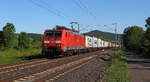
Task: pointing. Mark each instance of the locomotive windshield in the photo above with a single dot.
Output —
(54, 34)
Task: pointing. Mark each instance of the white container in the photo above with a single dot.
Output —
(106, 44)
(99, 43)
(103, 43)
(88, 42)
(94, 42)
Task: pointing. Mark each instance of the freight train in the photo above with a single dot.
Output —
(62, 40)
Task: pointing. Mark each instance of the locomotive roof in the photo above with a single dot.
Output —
(61, 28)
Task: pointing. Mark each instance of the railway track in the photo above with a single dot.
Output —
(18, 66)
(67, 68)
(26, 64)
(13, 64)
(50, 71)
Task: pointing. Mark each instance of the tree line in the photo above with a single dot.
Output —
(138, 40)
(11, 40)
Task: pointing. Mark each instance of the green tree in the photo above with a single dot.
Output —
(132, 38)
(37, 41)
(147, 22)
(146, 40)
(24, 41)
(9, 35)
(1, 40)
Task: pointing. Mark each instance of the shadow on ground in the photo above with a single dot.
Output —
(134, 59)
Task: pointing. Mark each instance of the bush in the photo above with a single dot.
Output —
(118, 72)
(146, 44)
(13, 56)
(24, 41)
(132, 38)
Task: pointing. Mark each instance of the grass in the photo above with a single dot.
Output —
(13, 56)
(118, 71)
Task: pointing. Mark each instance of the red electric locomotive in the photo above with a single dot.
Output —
(62, 40)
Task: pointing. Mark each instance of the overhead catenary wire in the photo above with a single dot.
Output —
(87, 9)
(83, 7)
(87, 27)
(38, 3)
(44, 5)
(56, 10)
(79, 5)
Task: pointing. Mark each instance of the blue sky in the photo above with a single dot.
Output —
(27, 16)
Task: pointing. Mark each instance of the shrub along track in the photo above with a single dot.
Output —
(51, 68)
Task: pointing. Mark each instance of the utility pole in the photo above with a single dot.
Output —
(116, 37)
(78, 28)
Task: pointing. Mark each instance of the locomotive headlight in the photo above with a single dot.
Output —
(58, 41)
(46, 42)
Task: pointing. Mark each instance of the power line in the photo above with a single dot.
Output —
(92, 25)
(56, 10)
(88, 10)
(79, 5)
(82, 6)
(48, 9)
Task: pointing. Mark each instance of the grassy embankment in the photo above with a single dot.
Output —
(118, 72)
(13, 56)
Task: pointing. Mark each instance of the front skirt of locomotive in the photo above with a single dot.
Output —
(51, 51)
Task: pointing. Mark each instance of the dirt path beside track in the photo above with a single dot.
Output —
(139, 68)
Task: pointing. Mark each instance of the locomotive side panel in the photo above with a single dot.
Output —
(73, 42)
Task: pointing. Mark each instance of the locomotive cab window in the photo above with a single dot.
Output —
(53, 34)
(57, 34)
(49, 34)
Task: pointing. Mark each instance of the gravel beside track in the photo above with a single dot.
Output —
(90, 72)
